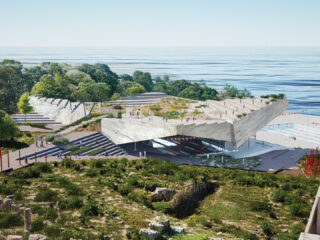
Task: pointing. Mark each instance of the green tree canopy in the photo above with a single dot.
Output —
(8, 128)
(175, 87)
(10, 88)
(115, 97)
(24, 105)
(144, 79)
(135, 89)
(198, 92)
(92, 92)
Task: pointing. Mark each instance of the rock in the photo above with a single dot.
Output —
(27, 219)
(7, 204)
(162, 194)
(1, 204)
(47, 222)
(148, 233)
(15, 207)
(21, 211)
(131, 174)
(14, 237)
(160, 224)
(45, 185)
(157, 226)
(37, 237)
(122, 222)
(178, 230)
(10, 197)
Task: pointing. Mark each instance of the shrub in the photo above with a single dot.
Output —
(59, 141)
(278, 195)
(37, 224)
(46, 196)
(260, 205)
(298, 210)
(68, 163)
(119, 107)
(91, 209)
(119, 115)
(266, 228)
(52, 231)
(43, 167)
(125, 189)
(140, 196)
(92, 172)
(10, 219)
(70, 203)
(97, 163)
(51, 214)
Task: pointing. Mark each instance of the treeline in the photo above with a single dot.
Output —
(92, 83)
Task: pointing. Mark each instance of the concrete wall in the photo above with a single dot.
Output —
(64, 111)
(128, 130)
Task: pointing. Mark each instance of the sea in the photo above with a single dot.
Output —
(294, 71)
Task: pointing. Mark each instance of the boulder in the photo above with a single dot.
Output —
(37, 237)
(160, 224)
(14, 237)
(162, 194)
(7, 204)
(177, 230)
(148, 233)
(27, 219)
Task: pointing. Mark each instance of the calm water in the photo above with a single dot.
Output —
(292, 71)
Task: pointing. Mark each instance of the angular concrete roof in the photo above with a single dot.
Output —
(233, 120)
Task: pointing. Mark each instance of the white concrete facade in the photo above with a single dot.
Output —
(227, 128)
(60, 110)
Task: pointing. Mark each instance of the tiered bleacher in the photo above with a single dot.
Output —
(33, 118)
(93, 145)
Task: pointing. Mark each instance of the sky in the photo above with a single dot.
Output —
(159, 23)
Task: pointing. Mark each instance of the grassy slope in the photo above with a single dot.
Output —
(114, 204)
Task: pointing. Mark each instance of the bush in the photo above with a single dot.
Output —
(50, 214)
(91, 209)
(59, 141)
(118, 107)
(70, 203)
(278, 195)
(52, 231)
(260, 205)
(119, 115)
(92, 172)
(298, 210)
(266, 228)
(43, 167)
(37, 224)
(46, 196)
(140, 196)
(125, 189)
(68, 163)
(97, 163)
(10, 219)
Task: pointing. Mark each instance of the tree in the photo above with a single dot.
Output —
(135, 89)
(24, 105)
(8, 127)
(231, 91)
(126, 77)
(175, 87)
(47, 87)
(10, 88)
(143, 78)
(115, 97)
(92, 92)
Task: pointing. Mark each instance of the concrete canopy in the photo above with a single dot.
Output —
(232, 120)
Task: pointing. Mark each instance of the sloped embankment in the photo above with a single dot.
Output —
(185, 201)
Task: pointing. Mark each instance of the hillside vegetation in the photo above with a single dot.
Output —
(97, 199)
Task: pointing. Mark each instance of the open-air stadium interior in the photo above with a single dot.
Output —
(240, 128)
